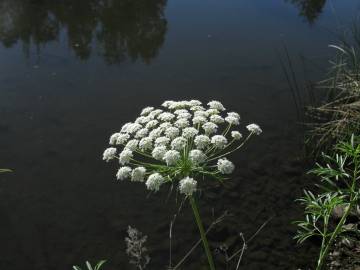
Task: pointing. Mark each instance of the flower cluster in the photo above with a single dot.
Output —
(180, 142)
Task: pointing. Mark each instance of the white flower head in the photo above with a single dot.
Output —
(178, 143)
(225, 166)
(122, 138)
(151, 124)
(125, 127)
(141, 133)
(145, 144)
(197, 156)
(197, 108)
(195, 102)
(187, 186)
(236, 135)
(132, 144)
(217, 119)
(212, 112)
(182, 123)
(198, 120)
(154, 113)
(123, 173)
(133, 128)
(113, 138)
(156, 133)
(125, 156)
(201, 113)
(189, 132)
(159, 152)
(202, 141)
(172, 132)
(232, 120)
(254, 128)
(180, 111)
(219, 141)
(185, 115)
(138, 174)
(109, 154)
(165, 125)
(146, 110)
(216, 105)
(171, 157)
(162, 141)
(166, 116)
(167, 103)
(210, 128)
(154, 182)
(142, 120)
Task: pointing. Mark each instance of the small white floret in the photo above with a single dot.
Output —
(197, 156)
(225, 166)
(159, 152)
(109, 154)
(189, 132)
(125, 156)
(154, 182)
(236, 135)
(254, 128)
(113, 138)
(145, 144)
(132, 144)
(172, 132)
(162, 141)
(210, 128)
(123, 173)
(201, 141)
(217, 119)
(146, 110)
(187, 186)
(171, 157)
(216, 105)
(219, 141)
(138, 174)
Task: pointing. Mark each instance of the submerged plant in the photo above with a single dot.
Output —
(135, 248)
(340, 178)
(181, 144)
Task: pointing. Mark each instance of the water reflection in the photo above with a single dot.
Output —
(310, 9)
(116, 29)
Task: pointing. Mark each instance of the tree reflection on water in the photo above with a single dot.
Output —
(119, 29)
(309, 9)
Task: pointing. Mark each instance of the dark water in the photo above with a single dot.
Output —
(72, 72)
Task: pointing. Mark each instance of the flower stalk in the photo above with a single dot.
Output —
(202, 232)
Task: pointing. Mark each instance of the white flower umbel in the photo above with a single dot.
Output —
(184, 138)
(182, 141)
(109, 154)
(187, 186)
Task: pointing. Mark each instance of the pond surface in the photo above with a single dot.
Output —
(72, 72)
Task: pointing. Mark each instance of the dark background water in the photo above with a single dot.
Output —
(72, 72)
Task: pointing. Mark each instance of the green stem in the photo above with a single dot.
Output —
(202, 232)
